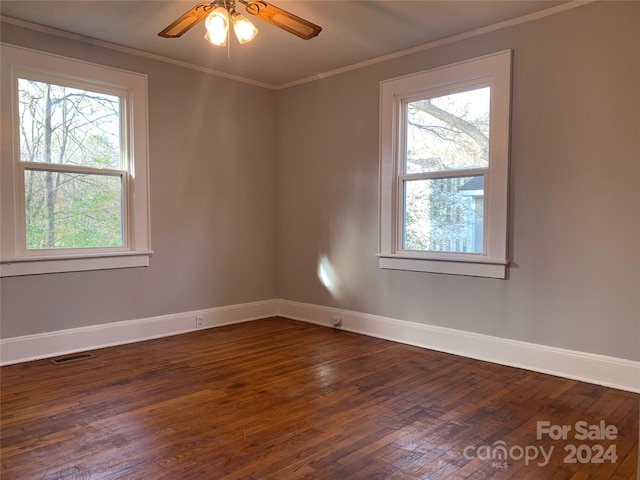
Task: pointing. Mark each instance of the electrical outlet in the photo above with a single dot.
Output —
(337, 322)
(199, 321)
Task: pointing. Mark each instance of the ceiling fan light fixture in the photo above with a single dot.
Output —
(245, 30)
(218, 14)
(217, 25)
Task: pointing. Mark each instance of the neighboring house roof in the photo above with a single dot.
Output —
(476, 183)
(473, 188)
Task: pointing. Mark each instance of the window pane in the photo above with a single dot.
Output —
(448, 132)
(72, 210)
(444, 214)
(68, 126)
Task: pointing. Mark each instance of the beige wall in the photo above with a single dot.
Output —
(212, 205)
(238, 219)
(575, 184)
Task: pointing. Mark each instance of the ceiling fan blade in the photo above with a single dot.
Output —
(186, 21)
(282, 19)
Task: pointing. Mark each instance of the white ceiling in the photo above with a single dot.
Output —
(353, 31)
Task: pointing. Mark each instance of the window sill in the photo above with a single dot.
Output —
(481, 267)
(35, 265)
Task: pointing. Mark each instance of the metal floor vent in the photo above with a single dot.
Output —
(71, 358)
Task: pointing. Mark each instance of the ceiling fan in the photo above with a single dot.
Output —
(219, 13)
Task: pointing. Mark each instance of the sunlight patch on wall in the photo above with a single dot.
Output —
(327, 276)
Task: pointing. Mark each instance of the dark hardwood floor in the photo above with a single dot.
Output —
(279, 399)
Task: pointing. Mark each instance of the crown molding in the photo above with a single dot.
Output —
(129, 50)
(444, 41)
(409, 51)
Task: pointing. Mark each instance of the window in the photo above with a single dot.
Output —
(444, 169)
(77, 198)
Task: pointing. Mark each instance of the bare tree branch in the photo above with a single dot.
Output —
(453, 120)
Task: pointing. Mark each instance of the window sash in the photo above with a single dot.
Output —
(400, 227)
(402, 113)
(123, 95)
(21, 227)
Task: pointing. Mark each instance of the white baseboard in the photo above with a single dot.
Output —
(587, 367)
(62, 342)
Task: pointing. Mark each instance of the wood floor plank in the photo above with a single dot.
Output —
(280, 399)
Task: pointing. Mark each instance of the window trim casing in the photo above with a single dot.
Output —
(493, 70)
(15, 259)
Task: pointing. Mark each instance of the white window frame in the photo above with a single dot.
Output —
(492, 70)
(131, 87)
